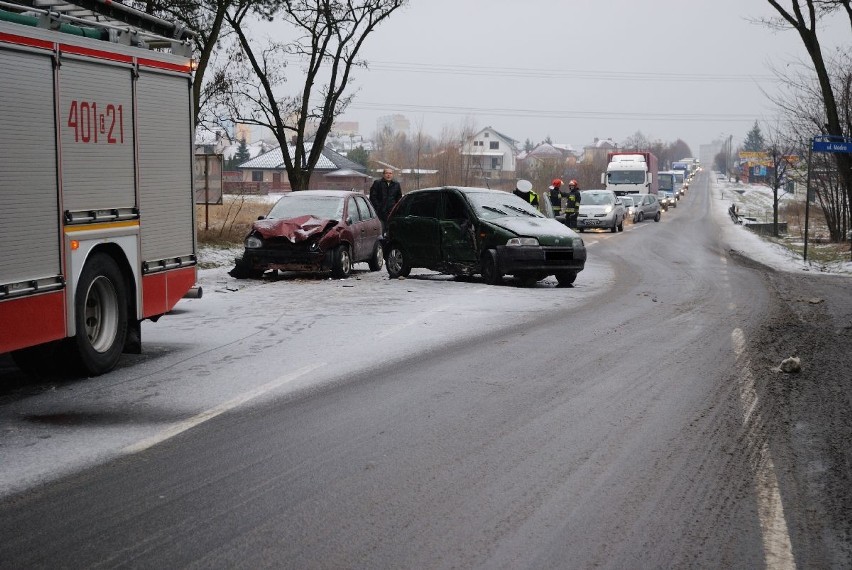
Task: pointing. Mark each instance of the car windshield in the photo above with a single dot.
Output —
(296, 205)
(501, 204)
(590, 198)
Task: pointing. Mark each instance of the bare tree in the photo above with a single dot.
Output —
(804, 17)
(206, 19)
(802, 107)
(782, 149)
(329, 36)
(636, 141)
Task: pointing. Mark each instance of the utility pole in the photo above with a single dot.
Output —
(728, 151)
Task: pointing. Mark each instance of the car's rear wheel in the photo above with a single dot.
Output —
(377, 260)
(397, 263)
(566, 278)
(341, 266)
(641, 217)
(490, 268)
(657, 217)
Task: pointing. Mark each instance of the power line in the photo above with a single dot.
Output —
(568, 74)
(552, 114)
(607, 75)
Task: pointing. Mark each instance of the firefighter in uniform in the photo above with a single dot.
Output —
(572, 206)
(556, 196)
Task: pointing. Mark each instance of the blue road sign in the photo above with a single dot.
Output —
(831, 144)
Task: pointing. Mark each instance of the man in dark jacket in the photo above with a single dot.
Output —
(384, 194)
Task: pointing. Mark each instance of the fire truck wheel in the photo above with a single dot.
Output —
(100, 307)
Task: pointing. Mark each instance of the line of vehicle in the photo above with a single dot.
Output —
(207, 415)
(777, 546)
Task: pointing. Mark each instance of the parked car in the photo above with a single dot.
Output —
(466, 231)
(600, 209)
(313, 230)
(647, 208)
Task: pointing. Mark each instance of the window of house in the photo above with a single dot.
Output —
(496, 163)
(494, 145)
(486, 135)
(257, 176)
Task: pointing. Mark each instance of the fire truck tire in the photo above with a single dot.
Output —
(100, 307)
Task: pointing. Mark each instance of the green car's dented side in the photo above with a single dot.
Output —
(468, 231)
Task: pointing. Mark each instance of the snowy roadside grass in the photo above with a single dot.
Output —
(223, 226)
(785, 252)
(212, 256)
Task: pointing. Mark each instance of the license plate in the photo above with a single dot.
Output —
(592, 222)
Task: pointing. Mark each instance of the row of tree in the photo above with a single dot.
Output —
(243, 79)
(817, 101)
(287, 85)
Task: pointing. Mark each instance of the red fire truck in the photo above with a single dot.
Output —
(97, 221)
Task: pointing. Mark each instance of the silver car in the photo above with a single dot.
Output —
(647, 207)
(600, 209)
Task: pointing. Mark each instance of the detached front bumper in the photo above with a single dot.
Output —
(539, 259)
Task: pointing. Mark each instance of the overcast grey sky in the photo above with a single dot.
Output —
(579, 69)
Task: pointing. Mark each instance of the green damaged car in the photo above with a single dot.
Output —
(468, 231)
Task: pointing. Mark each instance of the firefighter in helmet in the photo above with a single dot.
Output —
(572, 206)
(556, 196)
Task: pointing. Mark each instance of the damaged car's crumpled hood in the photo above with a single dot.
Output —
(294, 229)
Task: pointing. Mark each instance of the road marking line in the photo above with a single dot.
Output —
(414, 320)
(207, 415)
(777, 547)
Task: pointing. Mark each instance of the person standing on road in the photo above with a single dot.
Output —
(523, 190)
(572, 206)
(384, 194)
(556, 196)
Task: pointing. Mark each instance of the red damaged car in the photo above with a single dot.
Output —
(313, 230)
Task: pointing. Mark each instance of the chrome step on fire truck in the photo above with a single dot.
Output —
(97, 221)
